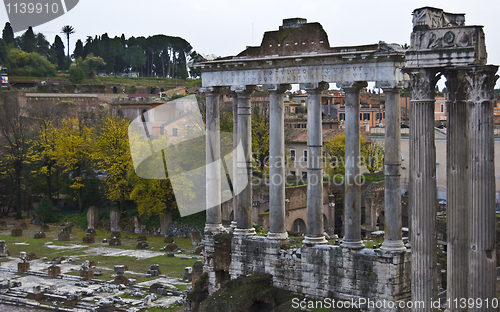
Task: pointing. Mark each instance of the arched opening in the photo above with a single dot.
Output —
(299, 226)
(154, 91)
(260, 306)
(115, 90)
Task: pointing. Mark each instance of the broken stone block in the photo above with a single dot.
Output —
(142, 245)
(88, 239)
(120, 279)
(114, 242)
(187, 274)
(119, 269)
(16, 232)
(171, 247)
(153, 273)
(87, 275)
(31, 256)
(63, 237)
(39, 235)
(170, 254)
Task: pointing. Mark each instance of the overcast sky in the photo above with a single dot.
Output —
(225, 27)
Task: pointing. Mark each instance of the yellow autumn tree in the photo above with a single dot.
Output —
(111, 156)
(334, 151)
(73, 138)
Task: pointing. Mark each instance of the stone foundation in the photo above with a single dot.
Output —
(54, 271)
(322, 271)
(17, 232)
(88, 239)
(87, 275)
(23, 267)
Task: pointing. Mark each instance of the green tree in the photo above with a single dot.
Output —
(373, 157)
(57, 53)
(76, 74)
(42, 46)
(260, 140)
(8, 34)
(3, 51)
(28, 64)
(135, 57)
(334, 151)
(28, 41)
(46, 211)
(91, 64)
(79, 50)
(68, 30)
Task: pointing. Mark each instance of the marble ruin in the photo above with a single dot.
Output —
(300, 53)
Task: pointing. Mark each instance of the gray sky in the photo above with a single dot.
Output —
(225, 28)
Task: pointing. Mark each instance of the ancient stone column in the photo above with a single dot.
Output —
(393, 238)
(213, 168)
(92, 217)
(114, 218)
(234, 224)
(243, 212)
(315, 231)
(277, 177)
(423, 196)
(352, 202)
(165, 221)
(482, 254)
(457, 177)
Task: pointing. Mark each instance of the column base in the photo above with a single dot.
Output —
(245, 232)
(396, 245)
(233, 226)
(314, 240)
(352, 244)
(214, 228)
(277, 236)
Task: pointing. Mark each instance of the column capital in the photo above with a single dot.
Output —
(210, 90)
(389, 85)
(422, 83)
(281, 88)
(353, 86)
(481, 81)
(315, 86)
(243, 91)
(457, 85)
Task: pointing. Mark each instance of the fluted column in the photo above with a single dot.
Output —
(457, 177)
(315, 231)
(277, 225)
(393, 238)
(482, 255)
(213, 168)
(243, 213)
(352, 203)
(235, 159)
(423, 197)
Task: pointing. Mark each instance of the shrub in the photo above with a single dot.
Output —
(47, 212)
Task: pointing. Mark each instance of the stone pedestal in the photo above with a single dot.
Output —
(87, 275)
(54, 271)
(23, 267)
(17, 232)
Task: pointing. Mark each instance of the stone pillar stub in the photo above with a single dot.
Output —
(352, 202)
(277, 219)
(457, 188)
(243, 213)
(213, 168)
(423, 194)
(393, 240)
(482, 253)
(114, 218)
(315, 231)
(92, 217)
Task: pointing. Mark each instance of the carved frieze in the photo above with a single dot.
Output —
(446, 38)
(428, 17)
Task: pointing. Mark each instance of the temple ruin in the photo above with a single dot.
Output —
(300, 53)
